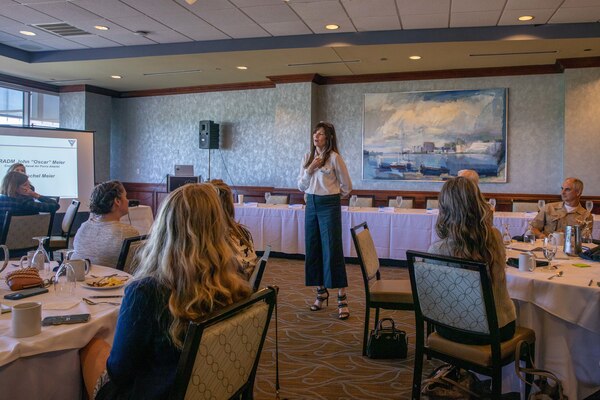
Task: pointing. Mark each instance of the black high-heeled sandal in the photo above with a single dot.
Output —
(343, 312)
(320, 299)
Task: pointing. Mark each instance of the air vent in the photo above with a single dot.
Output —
(62, 29)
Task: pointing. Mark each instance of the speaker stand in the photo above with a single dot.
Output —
(209, 151)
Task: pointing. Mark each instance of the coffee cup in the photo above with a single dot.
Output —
(240, 199)
(526, 262)
(28, 260)
(81, 268)
(26, 319)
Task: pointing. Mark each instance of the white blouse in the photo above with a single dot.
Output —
(331, 178)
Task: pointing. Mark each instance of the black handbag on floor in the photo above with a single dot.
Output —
(387, 342)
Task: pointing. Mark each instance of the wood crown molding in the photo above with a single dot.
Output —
(28, 83)
(299, 78)
(583, 62)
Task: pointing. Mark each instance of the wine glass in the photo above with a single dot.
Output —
(65, 280)
(506, 238)
(353, 200)
(65, 254)
(40, 259)
(398, 201)
(550, 248)
(492, 202)
(589, 205)
(541, 204)
(267, 197)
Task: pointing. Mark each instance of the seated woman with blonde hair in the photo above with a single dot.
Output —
(186, 271)
(241, 238)
(465, 227)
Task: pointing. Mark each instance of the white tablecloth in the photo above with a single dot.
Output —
(282, 227)
(139, 217)
(46, 366)
(564, 312)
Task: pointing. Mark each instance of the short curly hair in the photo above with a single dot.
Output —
(104, 195)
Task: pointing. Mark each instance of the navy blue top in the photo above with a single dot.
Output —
(25, 205)
(143, 360)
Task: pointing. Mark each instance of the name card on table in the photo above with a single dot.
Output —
(434, 211)
(251, 204)
(296, 206)
(389, 210)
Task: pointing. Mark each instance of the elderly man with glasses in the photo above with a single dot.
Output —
(554, 217)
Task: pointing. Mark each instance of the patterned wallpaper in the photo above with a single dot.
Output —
(264, 132)
(98, 111)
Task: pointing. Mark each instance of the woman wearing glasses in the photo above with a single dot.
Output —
(325, 180)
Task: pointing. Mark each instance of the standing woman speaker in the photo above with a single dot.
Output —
(325, 180)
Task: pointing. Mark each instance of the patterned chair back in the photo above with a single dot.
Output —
(406, 203)
(365, 248)
(220, 355)
(452, 292)
(129, 249)
(69, 217)
(20, 229)
(524, 206)
(432, 204)
(364, 202)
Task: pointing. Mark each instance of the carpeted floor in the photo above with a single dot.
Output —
(319, 355)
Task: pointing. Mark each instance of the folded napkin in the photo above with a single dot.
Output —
(251, 204)
(60, 305)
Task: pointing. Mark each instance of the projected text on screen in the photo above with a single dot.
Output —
(51, 163)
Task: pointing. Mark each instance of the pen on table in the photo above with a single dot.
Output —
(590, 284)
(106, 296)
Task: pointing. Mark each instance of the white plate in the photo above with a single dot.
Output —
(88, 284)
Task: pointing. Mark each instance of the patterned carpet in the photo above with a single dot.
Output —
(319, 355)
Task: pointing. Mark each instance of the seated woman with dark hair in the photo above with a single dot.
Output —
(465, 225)
(186, 271)
(240, 236)
(100, 238)
(17, 196)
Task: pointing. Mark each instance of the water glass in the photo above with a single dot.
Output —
(40, 257)
(65, 280)
(541, 204)
(353, 200)
(267, 197)
(398, 201)
(550, 248)
(492, 202)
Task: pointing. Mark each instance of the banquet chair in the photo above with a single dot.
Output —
(259, 270)
(406, 203)
(524, 206)
(129, 249)
(18, 231)
(364, 201)
(279, 199)
(380, 293)
(457, 294)
(223, 350)
(432, 203)
(62, 241)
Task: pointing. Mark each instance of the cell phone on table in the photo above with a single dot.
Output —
(21, 294)
(66, 319)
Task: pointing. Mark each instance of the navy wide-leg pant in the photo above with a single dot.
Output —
(324, 264)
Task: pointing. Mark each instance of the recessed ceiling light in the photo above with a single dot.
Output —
(116, 76)
(332, 27)
(415, 57)
(241, 67)
(27, 33)
(190, 2)
(101, 27)
(525, 18)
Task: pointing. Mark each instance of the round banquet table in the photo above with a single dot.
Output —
(46, 366)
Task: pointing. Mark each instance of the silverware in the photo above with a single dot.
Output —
(559, 274)
(93, 303)
(114, 296)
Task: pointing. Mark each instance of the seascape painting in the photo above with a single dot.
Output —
(430, 136)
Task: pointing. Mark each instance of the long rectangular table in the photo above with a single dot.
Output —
(282, 227)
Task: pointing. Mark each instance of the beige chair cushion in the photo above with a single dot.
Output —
(524, 206)
(391, 291)
(58, 242)
(478, 354)
(406, 203)
(432, 203)
(364, 202)
(278, 199)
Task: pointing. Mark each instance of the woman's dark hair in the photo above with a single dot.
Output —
(11, 183)
(330, 146)
(104, 195)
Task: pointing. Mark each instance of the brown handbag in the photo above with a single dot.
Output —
(24, 278)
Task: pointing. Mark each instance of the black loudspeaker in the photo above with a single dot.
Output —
(209, 135)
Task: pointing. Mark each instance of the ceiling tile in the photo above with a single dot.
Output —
(370, 8)
(26, 15)
(141, 23)
(200, 31)
(94, 41)
(169, 36)
(319, 10)
(251, 3)
(424, 21)
(464, 6)
(572, 15)
(234, 23)
(6, 23)
(130, 39)
(206, 5)
(430, 7)
(364, 24)
(479, 18)
(271, 14)
(65, 12)
(511, 17)
(89, 24)
(62, 44)
(286, 28)
(532, 4)
(108, 8)
(580, 3)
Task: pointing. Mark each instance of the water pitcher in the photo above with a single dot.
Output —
(572, 240)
